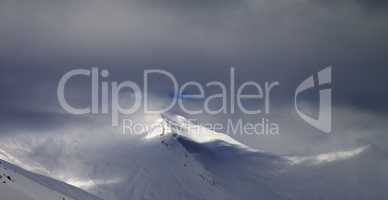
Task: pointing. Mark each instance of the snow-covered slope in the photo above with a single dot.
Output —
(181, 160)
(19, 184)
(359, 173)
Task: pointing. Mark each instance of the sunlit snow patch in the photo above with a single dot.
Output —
(170, 123)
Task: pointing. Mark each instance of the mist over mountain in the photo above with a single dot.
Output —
(180, 162)
(284, 99)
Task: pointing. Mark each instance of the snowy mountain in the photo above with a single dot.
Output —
(19, 184)
(181, 160)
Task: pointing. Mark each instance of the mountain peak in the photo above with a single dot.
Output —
(177, 125)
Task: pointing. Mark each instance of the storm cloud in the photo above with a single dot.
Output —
(281, 40)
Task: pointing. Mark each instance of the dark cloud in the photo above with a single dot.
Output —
(370, 6)
(195, 40)
(207, 5)
(374, 4)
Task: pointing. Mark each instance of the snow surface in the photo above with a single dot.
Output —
(19, 184)
(181, 160)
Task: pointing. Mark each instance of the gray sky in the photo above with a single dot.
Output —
(280, 40)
